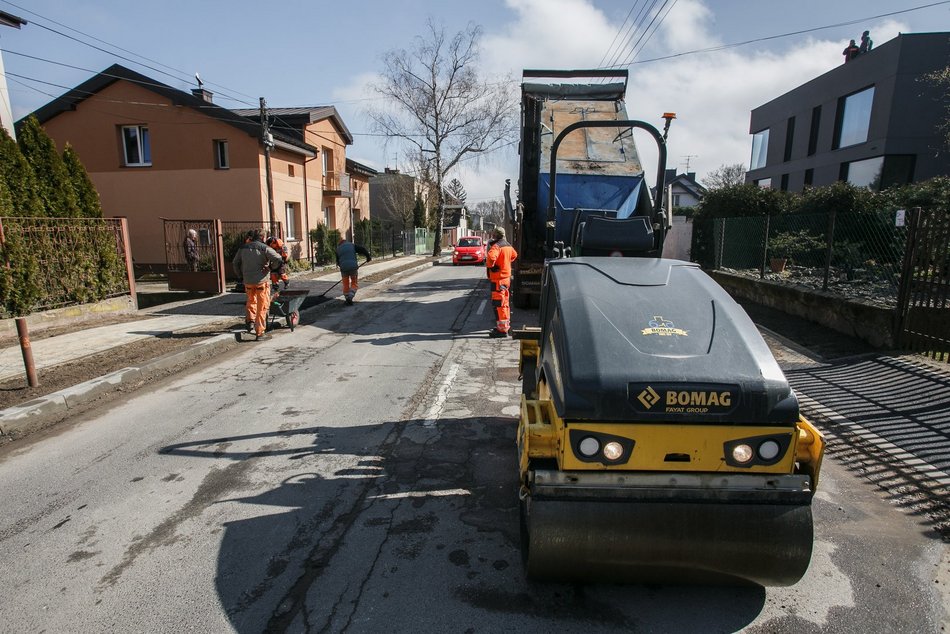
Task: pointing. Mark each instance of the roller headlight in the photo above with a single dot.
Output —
(589, 446)
(742, 453)
(613, 451)
(768, 450)
(598, 447)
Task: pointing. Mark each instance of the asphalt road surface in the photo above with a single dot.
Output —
(359, 475)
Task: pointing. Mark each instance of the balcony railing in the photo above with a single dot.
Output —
(336, 182)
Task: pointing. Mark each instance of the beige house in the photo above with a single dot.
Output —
(156, 152)
(359, 175)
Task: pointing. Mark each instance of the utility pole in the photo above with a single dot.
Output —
(268, 141)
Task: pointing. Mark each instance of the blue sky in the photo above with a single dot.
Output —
(317, 53)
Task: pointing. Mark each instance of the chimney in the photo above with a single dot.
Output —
(691, 176)
(203, 94)
(670, 175)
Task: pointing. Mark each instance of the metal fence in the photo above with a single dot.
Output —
(68, 260)
(175, 256)
(233, 233)
(858, 255)
(382, 238)
(418, 241)
(923, 310)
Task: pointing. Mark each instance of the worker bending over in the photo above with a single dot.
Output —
(346, 259)
(500, 256)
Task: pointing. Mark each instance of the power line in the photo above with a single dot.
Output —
(60, 33)
(637, 23)
(638, 47)
(286, 126)
(655, 29)
(94, 72)
(619, 31)
(781, 35)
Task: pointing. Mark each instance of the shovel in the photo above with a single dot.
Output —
(334, 285)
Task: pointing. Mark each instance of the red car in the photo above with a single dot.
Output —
(470, 250)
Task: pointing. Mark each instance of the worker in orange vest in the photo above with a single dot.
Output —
(252, 263)
(280, 274)
(500, 256)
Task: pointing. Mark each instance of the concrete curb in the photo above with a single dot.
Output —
(38, 413)
(41, 412)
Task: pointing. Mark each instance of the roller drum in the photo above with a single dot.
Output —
(666, 542)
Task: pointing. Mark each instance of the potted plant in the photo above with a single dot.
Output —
(788, 245)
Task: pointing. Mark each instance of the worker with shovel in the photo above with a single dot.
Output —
(346, 259)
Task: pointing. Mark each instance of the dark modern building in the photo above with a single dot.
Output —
(873, 121)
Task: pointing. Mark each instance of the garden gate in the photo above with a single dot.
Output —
(207, 274)
(923, 304)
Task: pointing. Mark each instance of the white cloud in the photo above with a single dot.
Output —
(686, 27)
(712, 93)
(548, 34)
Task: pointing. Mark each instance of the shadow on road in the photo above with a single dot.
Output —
(426, 515)
(902, 403)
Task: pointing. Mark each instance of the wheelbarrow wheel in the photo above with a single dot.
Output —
(293, 319)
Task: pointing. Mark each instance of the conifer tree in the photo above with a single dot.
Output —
(19, 269)
(419, 213)
(457, 191)
(52, 178)
(86, 193)
(17, 176)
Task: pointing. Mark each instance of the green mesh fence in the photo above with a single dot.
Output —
(382, 238)
(858, 255)
(50, 263)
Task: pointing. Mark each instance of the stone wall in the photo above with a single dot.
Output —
(869, 323)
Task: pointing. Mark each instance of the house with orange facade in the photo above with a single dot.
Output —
(360, 176)
(155, 152)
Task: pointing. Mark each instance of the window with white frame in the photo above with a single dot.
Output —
(136, 145)
(221, 161)
(290, 220)
(327, 217)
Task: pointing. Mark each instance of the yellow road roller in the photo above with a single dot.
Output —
(658, 440)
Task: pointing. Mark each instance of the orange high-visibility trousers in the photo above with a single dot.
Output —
(258, 303)
(351, 284)
(499, 299)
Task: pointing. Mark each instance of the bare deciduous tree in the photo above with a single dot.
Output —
(399, 196)
(725, 176)
(440, 106)
(492, 211)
